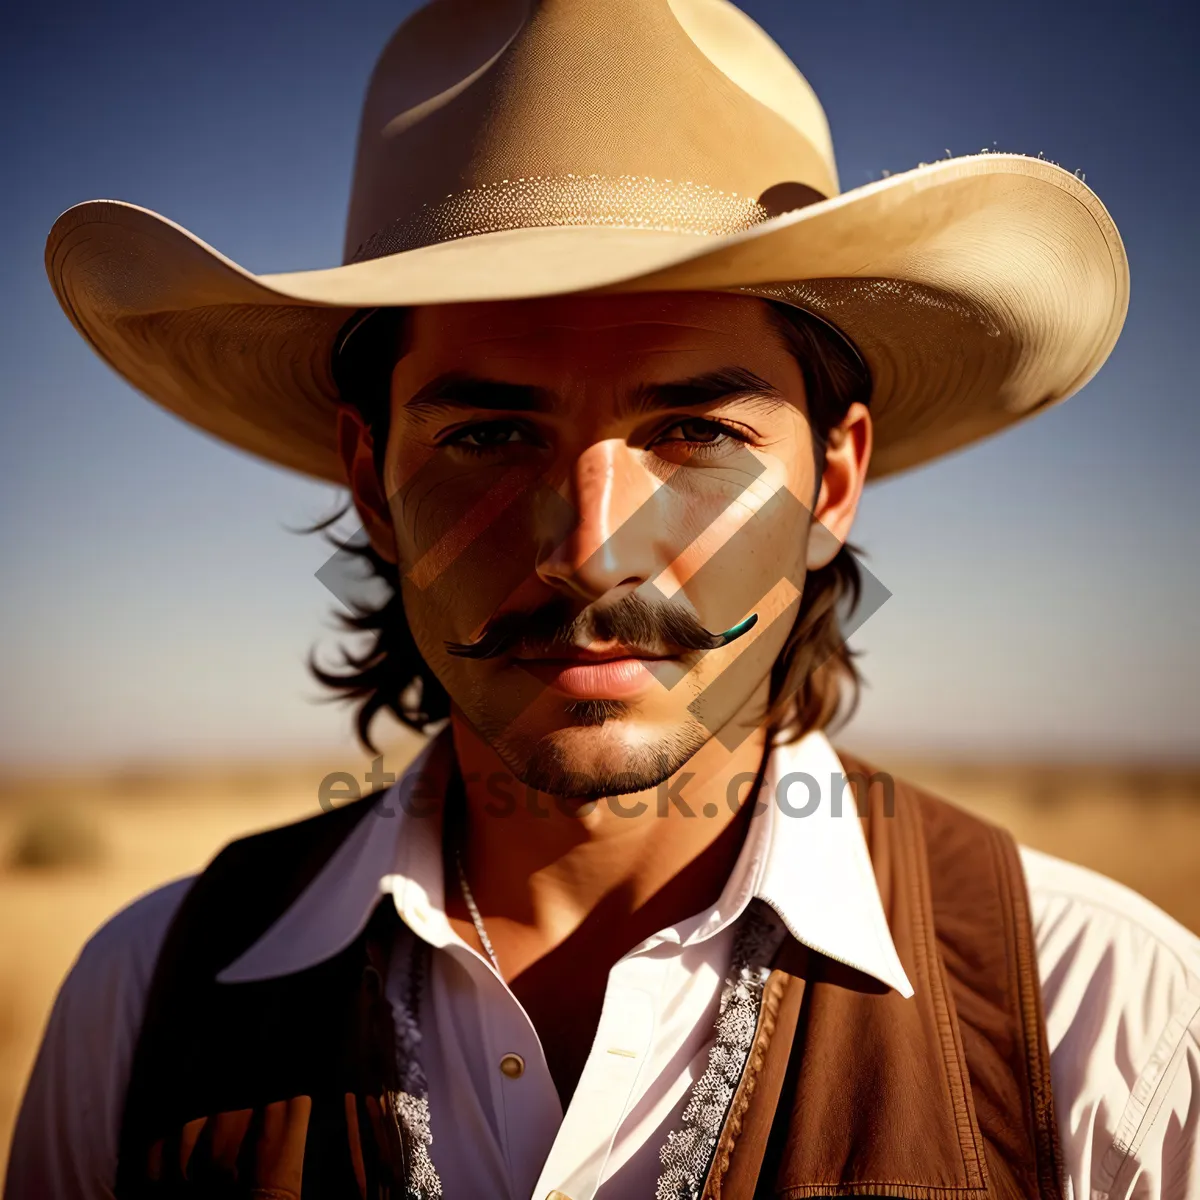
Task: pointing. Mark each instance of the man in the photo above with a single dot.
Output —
(606, 370)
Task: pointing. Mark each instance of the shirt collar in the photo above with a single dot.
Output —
(805, 855)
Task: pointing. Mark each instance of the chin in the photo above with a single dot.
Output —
(603, 753)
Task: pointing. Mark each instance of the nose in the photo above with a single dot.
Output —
(615, 539)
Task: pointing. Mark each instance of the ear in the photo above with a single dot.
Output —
(847, 456)
(357, 451)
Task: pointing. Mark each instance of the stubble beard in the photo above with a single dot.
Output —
(588, 762)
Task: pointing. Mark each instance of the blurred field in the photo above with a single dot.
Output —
(74, 850)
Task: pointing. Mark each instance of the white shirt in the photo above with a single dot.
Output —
(1120, 981)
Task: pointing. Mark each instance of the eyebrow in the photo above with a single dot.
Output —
(460, 389)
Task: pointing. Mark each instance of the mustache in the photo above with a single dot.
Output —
(632, 621)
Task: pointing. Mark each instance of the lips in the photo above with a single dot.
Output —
(615, 673)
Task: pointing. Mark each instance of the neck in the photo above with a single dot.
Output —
(544, 868)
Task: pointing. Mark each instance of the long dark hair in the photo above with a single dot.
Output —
(814, 681)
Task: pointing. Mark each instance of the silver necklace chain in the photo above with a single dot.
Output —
(473, 909)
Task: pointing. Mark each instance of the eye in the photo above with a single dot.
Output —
(490, 435)
(702, 435)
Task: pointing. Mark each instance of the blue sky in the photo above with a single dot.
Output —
(1045, 583)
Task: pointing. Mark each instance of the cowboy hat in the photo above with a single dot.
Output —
(522, 148)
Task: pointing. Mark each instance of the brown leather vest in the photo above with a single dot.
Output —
(277, 1089)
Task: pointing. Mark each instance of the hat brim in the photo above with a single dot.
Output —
(978, 290)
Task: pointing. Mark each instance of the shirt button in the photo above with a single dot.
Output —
(512, 1065)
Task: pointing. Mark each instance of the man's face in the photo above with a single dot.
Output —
(584, 483)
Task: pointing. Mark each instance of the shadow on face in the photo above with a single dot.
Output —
(591, 487)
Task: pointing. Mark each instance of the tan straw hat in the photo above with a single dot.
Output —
(519, 148)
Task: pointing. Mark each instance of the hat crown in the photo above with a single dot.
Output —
(485, 115)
